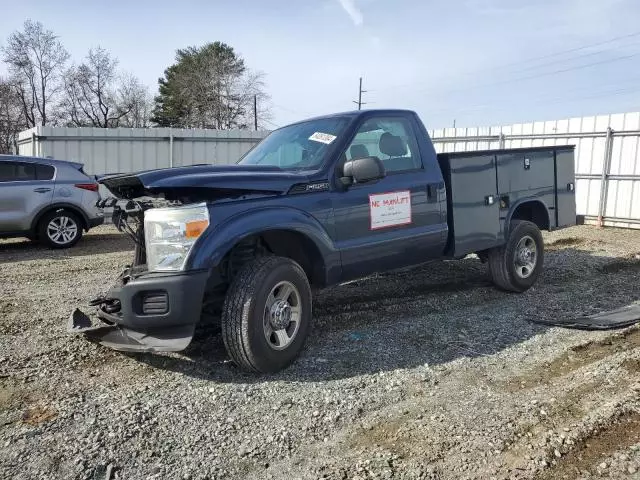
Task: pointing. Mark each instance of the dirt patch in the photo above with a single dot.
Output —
(632, 365)
(592, 450)
(392, 435)
(37, 414)
(566, 242)
(575, 358)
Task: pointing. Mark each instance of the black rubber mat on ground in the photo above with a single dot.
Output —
(620, 318)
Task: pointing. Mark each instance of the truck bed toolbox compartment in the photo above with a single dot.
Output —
(485, 187)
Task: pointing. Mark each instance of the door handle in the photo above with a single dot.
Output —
(41, 190)
(432, 191)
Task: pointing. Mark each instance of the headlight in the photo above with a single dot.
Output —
(170, 233)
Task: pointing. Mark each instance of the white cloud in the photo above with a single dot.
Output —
(353, 11)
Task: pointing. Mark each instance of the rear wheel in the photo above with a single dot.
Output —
(60, 229)
(516, 265)
(266, 315)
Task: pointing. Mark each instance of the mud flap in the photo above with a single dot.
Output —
(619, 318)
(117, 337)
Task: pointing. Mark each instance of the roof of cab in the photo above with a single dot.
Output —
(359, 113)
(41, 160)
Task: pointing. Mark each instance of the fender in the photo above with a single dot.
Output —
(516, 205)
(210, 248)
(57, 206)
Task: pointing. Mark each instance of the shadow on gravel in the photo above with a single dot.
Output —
(92, 244)
(432, 314)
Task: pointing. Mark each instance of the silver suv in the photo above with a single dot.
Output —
(51, 201)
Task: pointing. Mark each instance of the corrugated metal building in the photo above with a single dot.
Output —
(607, 153)
(124, 150)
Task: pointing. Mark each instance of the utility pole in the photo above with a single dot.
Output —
(360, 92)
(255, 112)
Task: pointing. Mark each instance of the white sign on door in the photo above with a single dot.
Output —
(390, 209)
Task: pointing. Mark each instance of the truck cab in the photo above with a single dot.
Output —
(314, 204)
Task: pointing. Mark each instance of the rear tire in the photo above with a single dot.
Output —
(59, 229)
(266, 315)
(516, 266)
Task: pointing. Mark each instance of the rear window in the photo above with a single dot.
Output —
(44, 172)
(22, 171)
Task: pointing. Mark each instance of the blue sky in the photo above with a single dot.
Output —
(468, 60)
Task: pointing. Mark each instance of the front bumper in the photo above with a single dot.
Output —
(146, 312)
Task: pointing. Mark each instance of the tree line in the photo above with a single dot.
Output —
(207, 87)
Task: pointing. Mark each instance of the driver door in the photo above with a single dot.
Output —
(396, 221)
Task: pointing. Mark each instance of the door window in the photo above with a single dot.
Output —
(21, 171)
(391, 140)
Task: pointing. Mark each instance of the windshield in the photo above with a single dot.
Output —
(300, 146)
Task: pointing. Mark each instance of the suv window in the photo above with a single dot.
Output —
(22, 171)
(44, 172)
(391, 140)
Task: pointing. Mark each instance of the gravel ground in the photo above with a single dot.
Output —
(424, 373)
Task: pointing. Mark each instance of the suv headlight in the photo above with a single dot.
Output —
(170, 234)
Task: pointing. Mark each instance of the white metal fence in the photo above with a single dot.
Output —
(607, 158)
(607, 153)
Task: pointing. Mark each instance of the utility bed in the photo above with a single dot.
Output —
(485, 186)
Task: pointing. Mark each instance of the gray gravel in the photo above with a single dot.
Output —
(424, 373)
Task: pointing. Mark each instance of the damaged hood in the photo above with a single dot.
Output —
(204, 180)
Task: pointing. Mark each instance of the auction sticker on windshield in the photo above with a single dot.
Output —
(322, 137)
(390, 209)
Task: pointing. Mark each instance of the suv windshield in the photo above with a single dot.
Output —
(300, 146)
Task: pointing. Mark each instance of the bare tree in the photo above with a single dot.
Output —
(11, 118)
(134, 98)
(36, 59)
(91, 97)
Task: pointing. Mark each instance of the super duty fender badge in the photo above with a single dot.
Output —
(390, 209)
(317, 187)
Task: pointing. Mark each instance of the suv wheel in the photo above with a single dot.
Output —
(517, 265)
(60, 229)
(267, 314)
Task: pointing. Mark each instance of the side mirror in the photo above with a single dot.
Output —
(362, 170)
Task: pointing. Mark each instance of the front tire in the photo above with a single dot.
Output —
(60, 229)
(266, 315)
(516, 265)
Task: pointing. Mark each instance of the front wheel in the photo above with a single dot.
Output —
(266, 315)
(516, 265)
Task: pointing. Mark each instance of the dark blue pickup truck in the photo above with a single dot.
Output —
(314, 204)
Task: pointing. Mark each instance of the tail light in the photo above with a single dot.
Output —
(92, 187)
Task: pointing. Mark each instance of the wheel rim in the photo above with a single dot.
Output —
(282, 314)
(62, 230)
(526, 256)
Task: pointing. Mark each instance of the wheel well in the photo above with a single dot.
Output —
(283, 243)
(55, 208)
(533, 211)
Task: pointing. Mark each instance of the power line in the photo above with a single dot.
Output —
(533, 59)
(542, 101)
(271, 123)
(286, 109)
(538, 75)
(571, 50)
